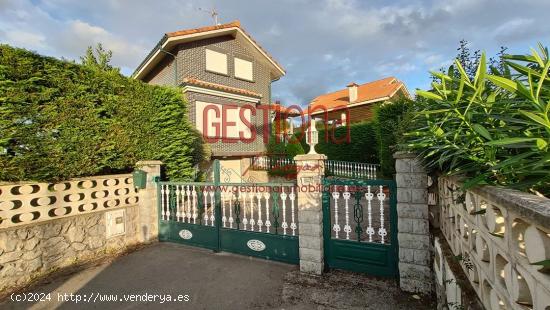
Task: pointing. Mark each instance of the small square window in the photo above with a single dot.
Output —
(216, 62)
(244, 69)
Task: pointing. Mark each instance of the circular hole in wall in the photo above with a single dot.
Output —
(537, 246)
(482, 249)
(486, 293)
(517, 287)
(500, 273)
(482, 217)
(518, 235)
(495, 221)
(470, 202)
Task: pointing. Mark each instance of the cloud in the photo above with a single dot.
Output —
(323, 44)
(516, 29)
(24, 38)
(79, 35)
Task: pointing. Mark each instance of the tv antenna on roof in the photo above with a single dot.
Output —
(213, 13)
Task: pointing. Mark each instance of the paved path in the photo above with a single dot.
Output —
(216, 281)
(212, 281)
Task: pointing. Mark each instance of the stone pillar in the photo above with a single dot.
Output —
(148, 201)
(415, 271)
(311, 170)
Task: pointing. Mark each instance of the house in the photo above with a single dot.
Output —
(356, 103)
(226, 78)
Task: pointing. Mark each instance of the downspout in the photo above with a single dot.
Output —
(175, 64)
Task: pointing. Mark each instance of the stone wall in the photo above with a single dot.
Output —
(498, 236)
(30, 251)
(45, 227)
(413, 228)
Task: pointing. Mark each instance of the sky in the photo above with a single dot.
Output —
(322, 44)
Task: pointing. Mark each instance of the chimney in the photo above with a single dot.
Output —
(352, 92)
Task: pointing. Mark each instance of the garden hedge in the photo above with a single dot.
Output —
(60, 120)
(389, 126)
(362, 145)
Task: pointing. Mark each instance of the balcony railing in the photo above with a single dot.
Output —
(337, 168)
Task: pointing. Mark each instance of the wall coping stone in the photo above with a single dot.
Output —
(404, 154)
(530, 206)
(149, 163)
(310, 157)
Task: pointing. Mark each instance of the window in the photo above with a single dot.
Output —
(243, 69)
(213, 121)
(216, 61)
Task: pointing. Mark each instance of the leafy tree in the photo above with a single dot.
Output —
(98, 58)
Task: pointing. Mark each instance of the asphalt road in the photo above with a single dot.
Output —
(144, 279)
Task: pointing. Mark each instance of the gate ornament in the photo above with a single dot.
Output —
(185, 234)
(256, 245)
(312, 137)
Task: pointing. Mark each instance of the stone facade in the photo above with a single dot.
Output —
(31, 251)
(310, 212)
(413, 227)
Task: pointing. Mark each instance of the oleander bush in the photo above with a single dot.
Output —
(493, 128)
(60, 120)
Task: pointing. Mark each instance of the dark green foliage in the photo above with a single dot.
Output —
(362, 145)
(293, 147)
(494, 128)
(60, 120)
(390, 121)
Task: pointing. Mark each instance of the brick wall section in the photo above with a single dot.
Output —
(191, 58)
(192, 63)
(413, 227)
(220, 148)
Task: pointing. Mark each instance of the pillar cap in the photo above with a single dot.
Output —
(310, 157)
(404, 154)
(149, 163)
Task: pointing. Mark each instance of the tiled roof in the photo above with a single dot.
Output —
(369, 92)
(214, 86)
(276, 107)
(235, 23)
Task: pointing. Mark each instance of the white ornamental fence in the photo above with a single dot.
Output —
(268, 208)
(336, 168)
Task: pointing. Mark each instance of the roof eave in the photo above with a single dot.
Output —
(154, 56)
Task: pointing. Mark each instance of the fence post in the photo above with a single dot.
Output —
(311, 170)
(415, 271)
(148, 201)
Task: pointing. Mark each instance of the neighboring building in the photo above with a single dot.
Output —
(222, 67)
(356, 103)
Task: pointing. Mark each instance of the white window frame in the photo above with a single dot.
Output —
(216, 62)
(244, 62)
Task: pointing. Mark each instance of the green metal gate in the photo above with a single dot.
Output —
(255, 219)
(360, 226)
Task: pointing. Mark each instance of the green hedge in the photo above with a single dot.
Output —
(390, 118)
(362, 145)
(60, 120)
